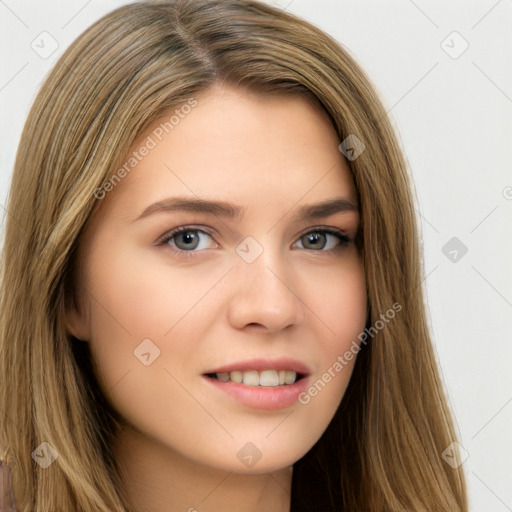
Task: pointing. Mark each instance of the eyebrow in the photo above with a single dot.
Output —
(229, 210)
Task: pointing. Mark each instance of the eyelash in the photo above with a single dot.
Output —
(344, 240)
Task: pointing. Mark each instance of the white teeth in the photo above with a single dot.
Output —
(269, 378)
(289, 377)
(266, 378)
(236, 376)
(251, 378)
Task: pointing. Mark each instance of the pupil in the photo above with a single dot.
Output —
(314, 238)
(188, 239)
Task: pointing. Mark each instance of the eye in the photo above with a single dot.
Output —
(185, 238)
(323, 239)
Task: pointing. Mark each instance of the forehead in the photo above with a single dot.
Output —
(235, 143)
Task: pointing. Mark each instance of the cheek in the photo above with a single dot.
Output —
(143, 306)
(340, 303)
(343, 310)
(145, 294)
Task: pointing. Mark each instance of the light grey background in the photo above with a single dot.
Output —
(453, 115)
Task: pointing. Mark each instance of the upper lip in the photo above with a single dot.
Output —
(282, 363)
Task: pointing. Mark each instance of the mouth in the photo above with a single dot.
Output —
(265, 378)
(261, 384)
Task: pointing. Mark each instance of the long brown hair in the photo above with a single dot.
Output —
(382, 450)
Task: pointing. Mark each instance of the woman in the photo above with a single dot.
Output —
(211, 289)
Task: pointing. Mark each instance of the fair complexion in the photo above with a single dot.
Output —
(204, 306)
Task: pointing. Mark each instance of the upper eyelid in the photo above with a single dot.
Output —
(172, 232)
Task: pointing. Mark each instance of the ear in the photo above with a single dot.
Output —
(76, 321)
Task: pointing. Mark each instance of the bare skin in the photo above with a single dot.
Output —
(204, 306)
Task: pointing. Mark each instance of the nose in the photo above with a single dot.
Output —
(264, 297)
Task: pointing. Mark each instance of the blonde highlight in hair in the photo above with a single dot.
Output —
(382, 450)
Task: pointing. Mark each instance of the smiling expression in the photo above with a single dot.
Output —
(262, 283)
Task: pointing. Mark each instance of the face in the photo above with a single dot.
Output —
(213, 261)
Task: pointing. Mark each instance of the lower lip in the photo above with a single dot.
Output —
(260, 397)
